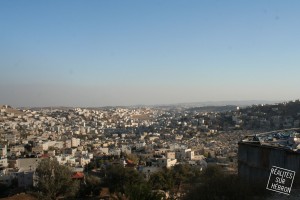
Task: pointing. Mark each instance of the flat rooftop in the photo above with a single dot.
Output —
(288, 139)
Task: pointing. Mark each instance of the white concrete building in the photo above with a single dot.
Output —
(75, 142)
(3, 151)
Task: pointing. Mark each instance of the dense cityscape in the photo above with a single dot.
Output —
(148, 140)
(149, 100)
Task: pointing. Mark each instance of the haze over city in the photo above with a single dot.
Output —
(106, 53)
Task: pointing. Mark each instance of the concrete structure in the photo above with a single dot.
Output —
(75, 142)
(3, 151)
(170, 154)
(182, 154)
(11, 138)
(17, 149)
(3, 163)
(126, 149)
(164, 162)
(27, 164)
(25, 179)
(255, 158)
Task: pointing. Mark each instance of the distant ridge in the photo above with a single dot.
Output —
(10, 109)
(241, 103)
(213, 108)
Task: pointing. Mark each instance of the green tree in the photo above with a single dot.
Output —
(91, 186)
(54, 181)
(185, 173)
(215, 184)
(118, 177)
(142, 192)
(161, 180)
(132, 157)
(90, 166)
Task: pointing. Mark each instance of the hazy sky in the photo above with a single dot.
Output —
(106, 52)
